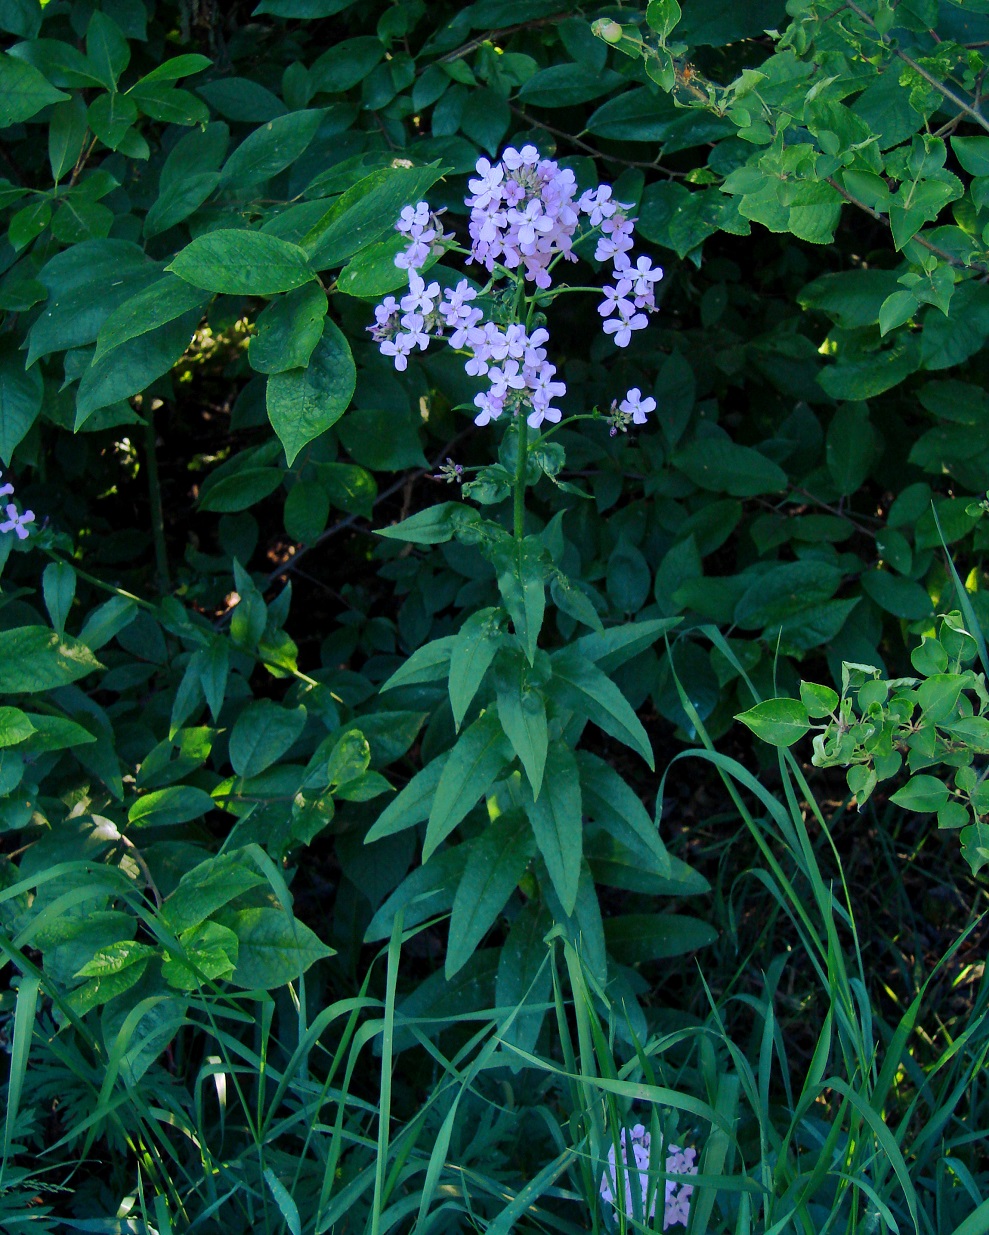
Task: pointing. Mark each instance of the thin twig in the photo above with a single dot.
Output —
(598, 154)
(351, 520)
(943, 254)
(959, 102)
(480, 39)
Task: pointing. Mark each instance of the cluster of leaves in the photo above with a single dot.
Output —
(931, 723)
(198, 206)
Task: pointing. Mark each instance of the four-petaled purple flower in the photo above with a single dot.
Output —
(15, 521)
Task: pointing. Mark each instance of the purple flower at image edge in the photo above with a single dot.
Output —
(635, 1173)
(16, 521)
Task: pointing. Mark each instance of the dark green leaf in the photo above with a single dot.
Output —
(522, 711)
(473, 650)
(592, 693)
(304, 403)
(263, 732)
(366, 211)
(288, 330)
(242, 263)
(723, 466)
(481, 752)
(269, 150)
(640, 937)
(497, 861)
(557, 822)
(23, 91)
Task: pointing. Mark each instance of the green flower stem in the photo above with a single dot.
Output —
(519, 487)
(563, 424)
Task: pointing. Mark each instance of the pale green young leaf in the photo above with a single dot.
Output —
(780, 722)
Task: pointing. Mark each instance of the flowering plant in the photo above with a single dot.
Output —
(519, 709)
(640, 1192)
(525, 219)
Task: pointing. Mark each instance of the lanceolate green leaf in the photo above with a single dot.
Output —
(612, 802)
(618, 644)
(497, 861)
(557, 822)
(481, 753)
(426, 664)
(270, 149)
(473, 650)
(591, 692)
(412, 805)
(642, 937)
(522, 576)
(524, 973)
(522, 711)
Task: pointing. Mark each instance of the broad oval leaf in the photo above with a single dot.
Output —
(304, 403)
(780, 722)
(242, 263)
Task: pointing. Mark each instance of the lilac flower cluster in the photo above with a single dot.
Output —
(522, 213)
(524, 216)
(425, 232)
(14, 522)
(677, 1196)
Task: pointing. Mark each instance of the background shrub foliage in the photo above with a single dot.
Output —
(198, 202)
